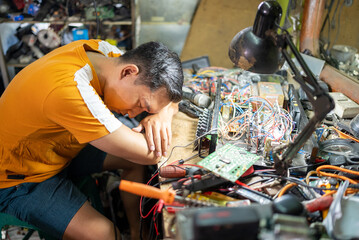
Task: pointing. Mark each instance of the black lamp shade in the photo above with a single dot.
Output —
(255, 48)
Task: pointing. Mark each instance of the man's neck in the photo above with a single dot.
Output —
(99, 63)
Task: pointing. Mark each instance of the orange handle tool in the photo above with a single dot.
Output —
(320, 204)
(141, 189)
(172, 171)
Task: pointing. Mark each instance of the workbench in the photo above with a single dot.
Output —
(183, 133)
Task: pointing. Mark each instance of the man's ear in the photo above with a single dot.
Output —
(129, 69)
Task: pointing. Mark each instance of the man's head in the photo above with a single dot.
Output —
(149, 77)
(158, 67)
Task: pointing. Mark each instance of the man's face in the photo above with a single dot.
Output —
(125, 97)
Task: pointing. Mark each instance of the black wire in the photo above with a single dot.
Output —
(258, 181)
(295, 180)
(166, 181)
(184, 146)
(256, 192)
(310, 165)
(151, 230)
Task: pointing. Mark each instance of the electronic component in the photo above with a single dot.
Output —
(204, 122)
(218, 223)
(208, 123)
(174, 171)
(190, 109)
(221, 222)
(216, 199)
(282, 226)
(344, 106)
(208, 182)
(300, 118)
(103, 12)
(271, 91)
(354, 126)
(229, 161)
(342, 147)
(198, 98)
(253, 195)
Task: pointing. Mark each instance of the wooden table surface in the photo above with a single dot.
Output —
(183, 133)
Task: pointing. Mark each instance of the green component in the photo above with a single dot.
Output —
(229, 161)
(104, 12)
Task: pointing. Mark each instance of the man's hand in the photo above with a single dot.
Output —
(158, 129)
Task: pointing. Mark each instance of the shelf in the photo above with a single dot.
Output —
(15, 63)
(119, 20)
(86, 22)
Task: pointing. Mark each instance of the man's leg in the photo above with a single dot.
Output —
(90, 224)
(58, 208)
(131, 172)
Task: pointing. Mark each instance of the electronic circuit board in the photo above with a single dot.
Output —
(229, 161)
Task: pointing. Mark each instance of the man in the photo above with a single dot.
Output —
(63, 101)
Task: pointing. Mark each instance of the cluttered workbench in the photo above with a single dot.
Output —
(236, 188)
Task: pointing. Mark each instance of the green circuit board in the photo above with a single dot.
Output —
(229, 161)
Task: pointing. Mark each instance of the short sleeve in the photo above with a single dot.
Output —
(81, 111)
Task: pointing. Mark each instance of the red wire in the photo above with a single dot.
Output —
(152, 178)
(142, 198)
(154, 223)
(154, 219)
(152, 209)
(242, 184)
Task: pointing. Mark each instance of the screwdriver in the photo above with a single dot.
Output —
(319, 204)
(167, 195)
(173, 171)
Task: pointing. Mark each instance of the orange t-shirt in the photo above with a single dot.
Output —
(50, 110)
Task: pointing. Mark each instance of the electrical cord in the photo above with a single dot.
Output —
(326, 174)
(286, 188)
(295, 180)
(256, 192)
(184, 146)
(305, 166)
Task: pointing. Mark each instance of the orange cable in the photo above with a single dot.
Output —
(286, 188)
(319, 172)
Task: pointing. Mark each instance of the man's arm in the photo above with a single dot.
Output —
(127, 144)
(158, 129)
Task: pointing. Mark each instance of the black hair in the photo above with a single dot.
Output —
(158, 67)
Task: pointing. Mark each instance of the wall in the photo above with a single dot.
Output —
(217, 21)
(214, 25)
(167, 21)
(348, 25)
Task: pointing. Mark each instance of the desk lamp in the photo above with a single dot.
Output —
(261, 49)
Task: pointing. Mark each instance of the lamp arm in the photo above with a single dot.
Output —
(322, 104)
(310, 79)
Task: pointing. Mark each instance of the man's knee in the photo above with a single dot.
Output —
(90, 224)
